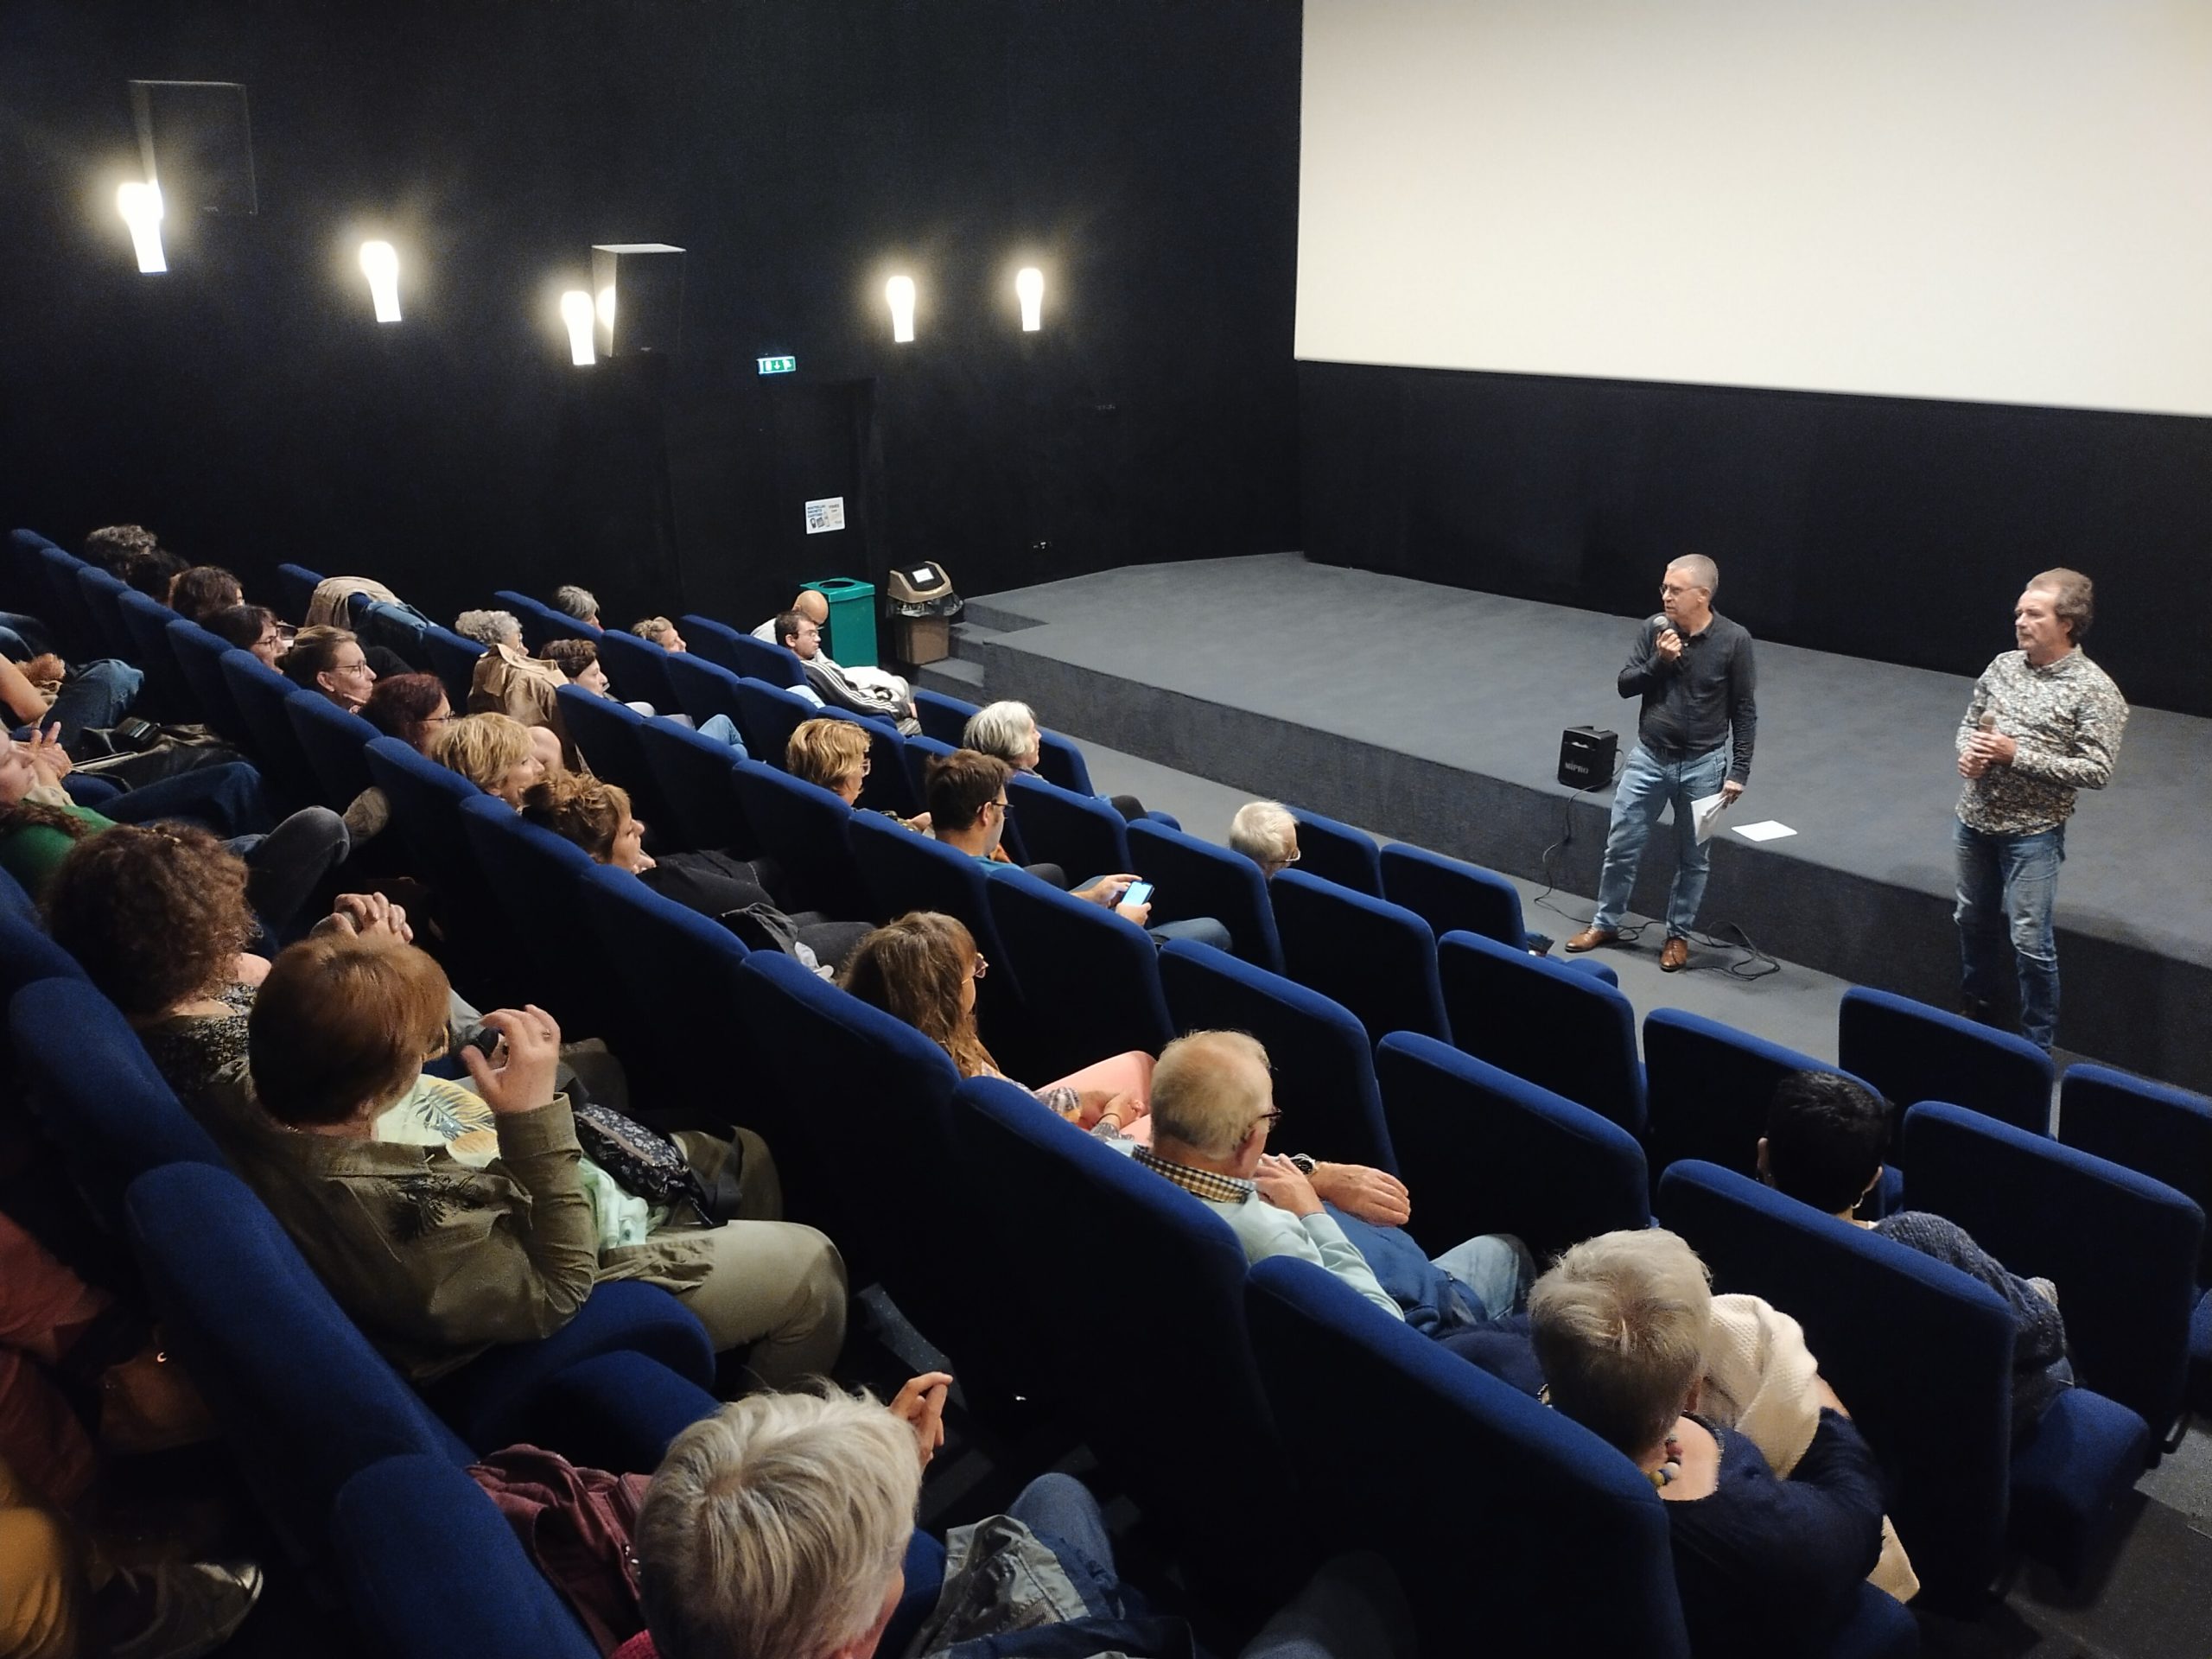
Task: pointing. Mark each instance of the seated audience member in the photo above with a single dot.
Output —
(412, 708)
(830, 685)
(1266, 833)
(44, 691)
(254, 628)
(1009, 731)
(579, 660)
(596, 816)
(923, 968)
(578, 602)
(968, 807)
(492, 751)
(1765, 1565)
(152, 572)
(331, 661)
(116, 545)
(437, 1259)
(875, 681)
(661, 632)
(490, 629)
(204, 589)
(39, 825)
(833, 754)
(1212, 1111)
(508, 681)
(777, 1529)
(1825, 1137)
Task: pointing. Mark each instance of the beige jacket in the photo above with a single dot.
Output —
(511, 683)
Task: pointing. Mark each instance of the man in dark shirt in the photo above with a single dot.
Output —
(1693, 668)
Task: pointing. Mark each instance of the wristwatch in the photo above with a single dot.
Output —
(1304, 1163)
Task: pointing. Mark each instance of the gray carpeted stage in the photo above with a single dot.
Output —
(1437, 712)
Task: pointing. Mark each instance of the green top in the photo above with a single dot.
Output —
(33, 853)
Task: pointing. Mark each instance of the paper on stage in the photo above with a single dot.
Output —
(1704, 813)
(1765, 830)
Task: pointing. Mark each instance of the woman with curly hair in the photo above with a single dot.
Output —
(493, 751)
(923, 968)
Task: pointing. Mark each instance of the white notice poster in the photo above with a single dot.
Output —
(829, 513)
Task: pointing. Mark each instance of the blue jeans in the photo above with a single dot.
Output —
(719, 728)
(1061, 1511)
(2007, 884)
(1496, 1266)
(1648, 786)
(93, 696)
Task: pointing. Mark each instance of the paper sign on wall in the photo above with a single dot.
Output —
(829, 513)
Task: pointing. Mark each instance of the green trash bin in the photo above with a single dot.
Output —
(849, 637)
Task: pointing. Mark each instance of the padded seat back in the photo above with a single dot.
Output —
(1167, 1324)
(165, 695)
(26, 953)
(296, 586)
(611, 738)
(335, 743)
(393, 629)
(704, 688)
(1323, 1062)
(638, 668)
(1921, 1353)
(302, 1398)
(535, 878)
(103, 602)
(767, 716)
(1082, 834)
(262, 694)
(945, 719)
(1060, 761)
(2121, 1247)
(889, 785)
(452, 659)
(1453, 895)
(1912, 1053)
(98, 1093)
(62, 606)
(1374, 957)
(693, 776)
(1195, 878)
(200, 660)
(541, 622)
(1569, 1031)
(1336, 852)
(1447, 1469)
(1708, 1087)
(743, 655)
(1088, 979)
(2165, 1132)
(802, 828)
(1486, 1152)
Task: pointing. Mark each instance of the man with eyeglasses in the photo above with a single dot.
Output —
(1212, 1111)
(801, 635)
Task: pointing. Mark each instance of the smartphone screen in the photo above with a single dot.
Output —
(1137, 893)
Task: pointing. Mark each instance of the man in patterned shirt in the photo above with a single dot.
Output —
(2044, 721)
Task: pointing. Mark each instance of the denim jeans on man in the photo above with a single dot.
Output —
(1648, 785)
(2007, 885)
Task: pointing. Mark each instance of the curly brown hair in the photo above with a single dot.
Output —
(578, 808)
(33, 815)
(156, 913)
(912, 968)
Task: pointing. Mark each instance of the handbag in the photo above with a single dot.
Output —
(642, 1160)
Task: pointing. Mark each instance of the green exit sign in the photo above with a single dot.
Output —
(778, 364)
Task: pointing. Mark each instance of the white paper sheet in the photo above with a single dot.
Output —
(1704, 813)
(1765, 830)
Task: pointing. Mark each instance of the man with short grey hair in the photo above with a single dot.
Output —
(1267, 833)
(1694, 671)
(578, 602)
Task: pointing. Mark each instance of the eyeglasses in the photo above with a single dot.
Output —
(1272, 1118)
(982, 965)
(867, 765)
(1005, 808)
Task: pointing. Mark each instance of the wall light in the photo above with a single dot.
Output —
(381, 266)
(606, 308)
(576, 312)
(899, 290)
(141, 207)
(1029, 283)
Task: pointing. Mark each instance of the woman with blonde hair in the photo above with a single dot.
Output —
(833, 754)
(493, 751)
(923, 968)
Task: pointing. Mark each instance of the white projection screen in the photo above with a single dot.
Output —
(1997, 201)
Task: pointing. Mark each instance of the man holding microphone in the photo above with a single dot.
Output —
(1693, 668)
(2044, 721)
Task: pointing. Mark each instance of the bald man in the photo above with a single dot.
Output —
(891, 694)
(1693, 669)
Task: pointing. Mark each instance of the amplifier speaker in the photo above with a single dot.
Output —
(1585, 757)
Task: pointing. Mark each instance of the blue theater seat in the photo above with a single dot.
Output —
(26, 953)
(1483, 1151)
(534, 877)
(693, 776)
(165, 695)
(704, 688)
(1197, 878)
(1166, 1323)
(2121, 1247)
(1568, 1030)
(62, 606)
(1088, 979)
(1912, 1053)
(944, 718)
(1080, 833)
(611, 737)
(1060, 761)
(743, 655)
(2165, 1132)
(104, 600)
(1708, 1088)
(200, 660)
(262, 694)
(921, 751)
(388, 626)
(803, 828)
(541, 622)
(426, 799)
(1323, 1064)
(336, 744)
(1336, 852)
(1374, 957)
(767, 716)
(296, 586)
(889, 785)
(638, 668)
(452, 659)
(1453, 895)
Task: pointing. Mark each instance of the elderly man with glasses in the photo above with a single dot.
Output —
(1212, 1110)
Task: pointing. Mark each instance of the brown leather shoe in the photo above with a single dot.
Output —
(1591, 937)
(1676, 956)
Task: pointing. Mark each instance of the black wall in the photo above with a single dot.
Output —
(1144, 153)
(1889, 528)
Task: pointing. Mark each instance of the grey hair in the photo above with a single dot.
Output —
(1209, 1090)
(1264, 832)
(1001, 729)
(1620, 1323)
(489, 628)
(1700, 569)
(572, 601)
(773, 1528)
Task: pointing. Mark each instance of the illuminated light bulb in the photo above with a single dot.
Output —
(141, 207)
(1029, 283)
(381, 266)
(899, 290)
(576, 312)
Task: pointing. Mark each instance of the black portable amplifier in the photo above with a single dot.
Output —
(1585, 757)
